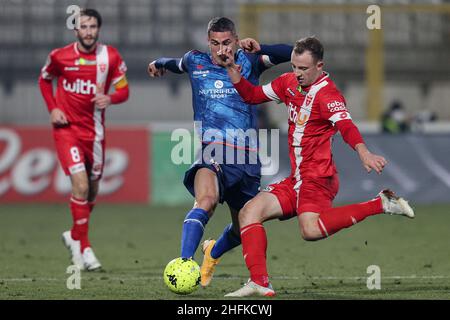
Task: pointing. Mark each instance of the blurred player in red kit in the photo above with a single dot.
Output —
(85, 70)
(316, 111)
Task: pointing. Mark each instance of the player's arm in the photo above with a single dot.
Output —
(353, 137)
(159, 67)
(48, 72)
(269, 55)
(121, 93)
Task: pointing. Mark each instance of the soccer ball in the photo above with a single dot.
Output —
(182, 275)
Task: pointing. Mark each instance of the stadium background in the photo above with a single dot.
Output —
(406, 61)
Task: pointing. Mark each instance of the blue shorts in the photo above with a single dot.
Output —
(238, 183)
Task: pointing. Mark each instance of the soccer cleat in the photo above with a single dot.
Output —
(209, 263)
(74, 248)
(395, 205)
(252, 289)
(90, 261)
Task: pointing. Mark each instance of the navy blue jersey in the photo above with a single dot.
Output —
(220, 114)
(218, 108)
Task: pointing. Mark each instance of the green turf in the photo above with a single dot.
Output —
(134, 243)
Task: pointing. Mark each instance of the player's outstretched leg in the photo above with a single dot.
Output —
(333, 220)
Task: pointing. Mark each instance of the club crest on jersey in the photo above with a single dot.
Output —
(102, 67)
(308, 100)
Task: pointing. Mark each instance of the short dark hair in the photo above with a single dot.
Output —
(92, 13)
(221, 24)
(311, 44)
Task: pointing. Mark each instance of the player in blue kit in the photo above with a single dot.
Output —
(227, 168)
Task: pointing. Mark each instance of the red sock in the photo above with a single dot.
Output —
(254, 246)
(80, 213)
(334, 219)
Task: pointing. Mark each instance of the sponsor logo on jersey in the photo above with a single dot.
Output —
(200, 73)
(336, 106)
(85, 62)
(218, 84)
(71, 68)
(297, 115)
(218, 93)
(80, 87)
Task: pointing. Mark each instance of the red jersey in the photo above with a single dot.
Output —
(313, 114)
(80, 76)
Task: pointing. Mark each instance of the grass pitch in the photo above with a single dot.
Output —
(134, 243)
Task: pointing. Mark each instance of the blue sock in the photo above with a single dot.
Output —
(227, 241)
(193, 228)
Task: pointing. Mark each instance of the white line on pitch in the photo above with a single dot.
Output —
(219, 277)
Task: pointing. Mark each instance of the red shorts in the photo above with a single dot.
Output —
(313, 194)
(77, 155)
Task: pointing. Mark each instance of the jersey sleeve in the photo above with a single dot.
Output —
(275, 89)
(50, 70)
(333, 107)
(271, 55)
(120, 69)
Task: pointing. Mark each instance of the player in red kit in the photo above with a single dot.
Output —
(317, 110)
(85, 70)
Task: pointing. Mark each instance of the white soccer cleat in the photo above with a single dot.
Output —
(74, 248)
(395, 205)
(252, 289)
(91, 262)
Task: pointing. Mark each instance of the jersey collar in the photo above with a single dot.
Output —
(321, 78)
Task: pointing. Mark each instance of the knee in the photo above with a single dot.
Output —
(309, 232)
(207, 203)
(249, 215)
(80, 189)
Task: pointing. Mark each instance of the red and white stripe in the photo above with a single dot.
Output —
(297, 136)
(102, 74)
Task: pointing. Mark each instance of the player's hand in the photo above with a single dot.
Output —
(58, 118)
(154, 72)
(250, 45)
(371, 161)
(226, 57)
(102, 101)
